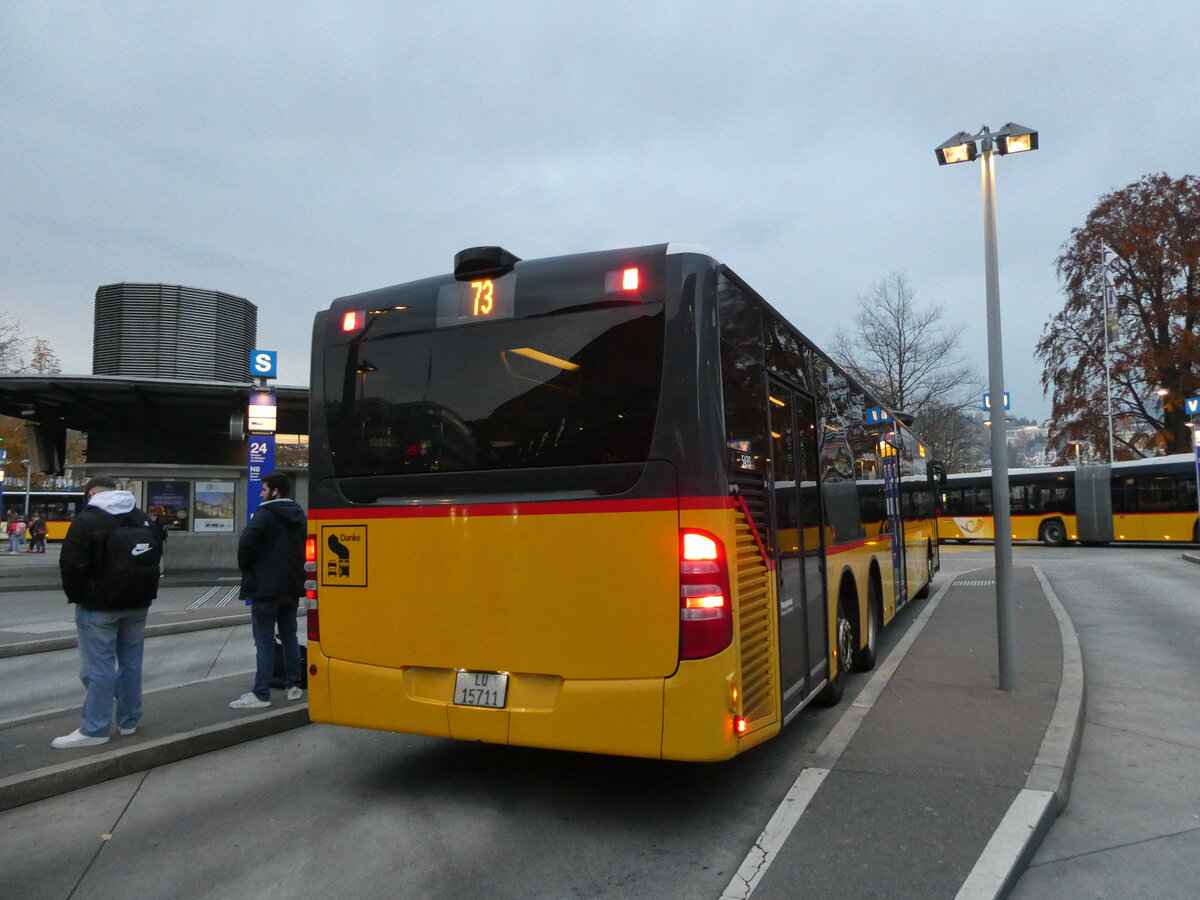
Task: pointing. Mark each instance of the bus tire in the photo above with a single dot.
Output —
(924, 591)
(864, 660)
(1053, 533)
(844, 634)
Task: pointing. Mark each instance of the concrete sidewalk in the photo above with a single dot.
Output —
(936, 783)
(178, 722)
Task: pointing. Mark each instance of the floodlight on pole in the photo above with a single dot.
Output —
(1014, 138)
(960, 148)
(963, 147)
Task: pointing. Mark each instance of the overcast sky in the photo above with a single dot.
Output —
(292, 152)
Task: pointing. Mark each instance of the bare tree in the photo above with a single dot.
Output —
(43, 360)
(20, 355)
(12, 344)
(911, 361)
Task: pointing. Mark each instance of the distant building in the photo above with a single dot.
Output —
(172, 331)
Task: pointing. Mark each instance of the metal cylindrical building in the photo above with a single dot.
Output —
(171, 331)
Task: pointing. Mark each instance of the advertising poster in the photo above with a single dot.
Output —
(167, 502)
(134, 487)
(214, 506)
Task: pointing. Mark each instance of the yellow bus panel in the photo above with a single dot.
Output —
(506, 593)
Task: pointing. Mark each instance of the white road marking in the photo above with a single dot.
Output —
(210, 593)
(229, 595)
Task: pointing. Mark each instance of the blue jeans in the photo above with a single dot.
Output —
(265, 615)
(110, 667)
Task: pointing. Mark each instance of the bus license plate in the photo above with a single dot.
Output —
(480, 689)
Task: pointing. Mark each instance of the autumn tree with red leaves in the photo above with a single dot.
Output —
(1153, 227)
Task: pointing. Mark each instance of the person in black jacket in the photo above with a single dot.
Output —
(111, 625)
(271, 559)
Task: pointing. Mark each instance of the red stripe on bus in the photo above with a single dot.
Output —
(523, 508)
(740, 502)
(862, 542)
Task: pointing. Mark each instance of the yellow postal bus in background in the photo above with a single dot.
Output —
(1143, 500)
(610, 502)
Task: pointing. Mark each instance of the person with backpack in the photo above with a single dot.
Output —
(37, 535)
(271, 558)
(109, 565)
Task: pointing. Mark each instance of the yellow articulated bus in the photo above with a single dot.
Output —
(1143, 500)
(610, 502)
(55, 508)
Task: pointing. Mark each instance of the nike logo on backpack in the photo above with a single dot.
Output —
(139, 549)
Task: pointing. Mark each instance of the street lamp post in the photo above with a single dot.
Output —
(28, 484)
(963, 147)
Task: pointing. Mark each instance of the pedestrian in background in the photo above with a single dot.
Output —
(109, 565)
(37, 535)
(271, 559)
(16, 533)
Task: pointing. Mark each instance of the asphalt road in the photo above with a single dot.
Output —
(323, 811)
(1132, 827)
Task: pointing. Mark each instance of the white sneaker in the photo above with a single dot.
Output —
(126, 732)
(294, 693)
(77, 739)
(249, 701)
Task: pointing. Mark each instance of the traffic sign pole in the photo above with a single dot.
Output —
(260, 423)
(1192, 406)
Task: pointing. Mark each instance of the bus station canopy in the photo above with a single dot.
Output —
(139, 419)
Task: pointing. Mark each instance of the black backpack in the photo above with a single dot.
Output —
(127, 577)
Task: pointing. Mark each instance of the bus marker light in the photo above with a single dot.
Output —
(352, 321)
(625, 280)
(739, 724)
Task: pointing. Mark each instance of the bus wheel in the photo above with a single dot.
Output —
(844, 632)
(1052, 533)
(864, 660)
(924, 591)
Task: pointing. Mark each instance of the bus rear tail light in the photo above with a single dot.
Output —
(705, 614)
(310, 588)
(353, 320)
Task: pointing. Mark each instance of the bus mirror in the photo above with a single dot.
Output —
(905, 419)
(937, 472)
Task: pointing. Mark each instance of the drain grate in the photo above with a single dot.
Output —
(983, 582)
